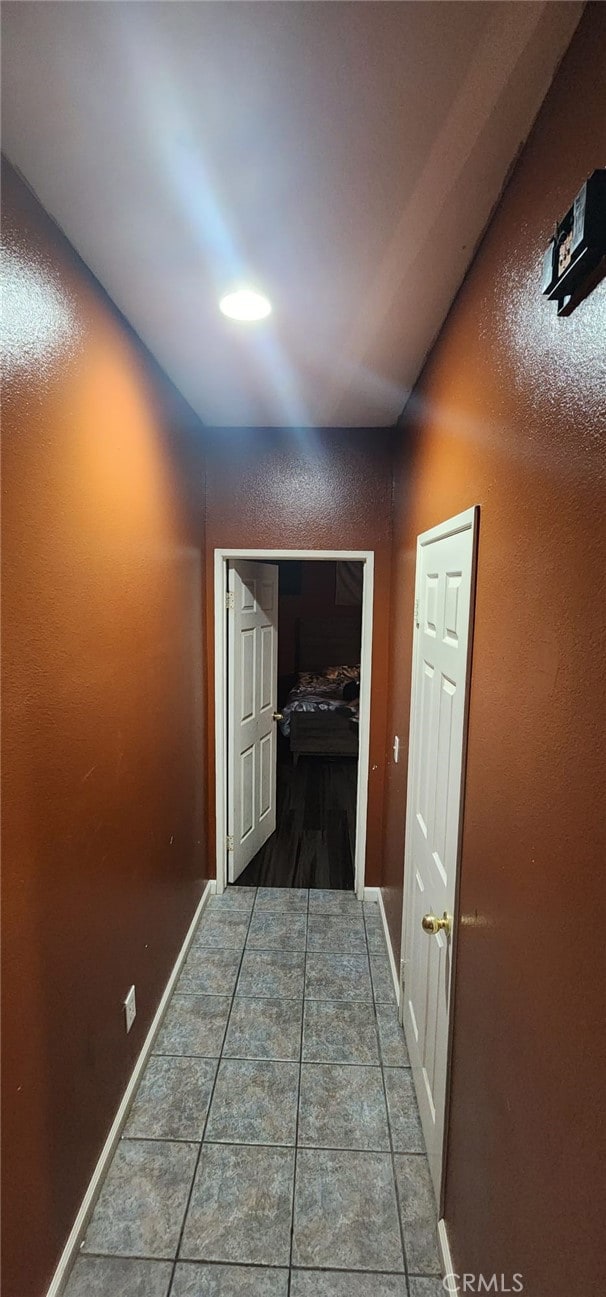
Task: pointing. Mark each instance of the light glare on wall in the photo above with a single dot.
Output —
(245, 304)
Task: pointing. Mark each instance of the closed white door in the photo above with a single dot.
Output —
(441, 658)
(252, 674)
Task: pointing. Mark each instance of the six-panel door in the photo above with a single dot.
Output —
(444, 583)
(252, 697)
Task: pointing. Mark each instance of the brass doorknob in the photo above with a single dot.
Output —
(278, 716)
(431, 923)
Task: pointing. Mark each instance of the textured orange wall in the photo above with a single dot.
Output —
(103, 851)
(324, 488)
(511, 414)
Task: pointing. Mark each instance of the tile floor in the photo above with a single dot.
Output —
(274, 1147)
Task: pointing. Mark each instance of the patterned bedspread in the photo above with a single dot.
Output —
(321, 692)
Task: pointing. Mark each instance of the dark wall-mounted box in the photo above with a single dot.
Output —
(579, 245)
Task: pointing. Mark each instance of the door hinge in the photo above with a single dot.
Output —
(229, 842)
(417, 613)
(230, 600)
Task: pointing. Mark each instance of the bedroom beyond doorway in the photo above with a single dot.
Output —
(319, 629)
(318, 688)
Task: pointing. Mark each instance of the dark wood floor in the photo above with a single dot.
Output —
(315, 831)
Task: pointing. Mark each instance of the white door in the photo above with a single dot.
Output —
(438, 721)
(252, 676)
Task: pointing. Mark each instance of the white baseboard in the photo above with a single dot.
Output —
(375, 892)
(446, 1258)
(72, 1245)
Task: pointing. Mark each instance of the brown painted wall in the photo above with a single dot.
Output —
(511, 414)
(103, 852)
(315, 600)
(309, 489)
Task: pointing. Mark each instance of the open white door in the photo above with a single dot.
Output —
(438, 723)
(252, 677)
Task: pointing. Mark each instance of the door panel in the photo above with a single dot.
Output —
(265, 782)
(252, 697)
(267, 666)
(247, 794)
(443, 604)
(247, 675)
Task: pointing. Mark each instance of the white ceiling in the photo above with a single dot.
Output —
(344, 157)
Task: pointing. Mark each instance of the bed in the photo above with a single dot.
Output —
(317, 719)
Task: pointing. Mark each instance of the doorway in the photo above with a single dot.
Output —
(295, 741)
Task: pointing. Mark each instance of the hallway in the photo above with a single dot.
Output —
(302, 293)
(276, 1107)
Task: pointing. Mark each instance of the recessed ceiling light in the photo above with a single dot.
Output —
(245, 304)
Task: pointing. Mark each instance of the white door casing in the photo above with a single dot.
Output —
(252, 696)
(444, 588)
(222, 556)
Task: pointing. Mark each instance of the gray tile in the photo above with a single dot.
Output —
(225, 929)
(337, 977)
(194, 1024)
(142, 1203)
(277, 931)
(406, 1132)
(254, 1102)
(342, 1107)
(339, 1031)
(375, 935)
(391, 1037)
(419, 1214)
(199, 1279)
(264, 1029)
(241, 1205)
(118, 1276)
(382, 979)
(332, 901)
(292, 899)
(233, 898)
(333, 1225)
(426, 1287)
(209, 972)
(331, 1283)
(272, 974)
(335, 932)
(172, 1099)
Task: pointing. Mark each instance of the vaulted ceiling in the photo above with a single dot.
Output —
(344, 157)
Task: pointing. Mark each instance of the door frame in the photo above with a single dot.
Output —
(447, 527)
(222, 557)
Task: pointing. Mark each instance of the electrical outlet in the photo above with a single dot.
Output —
(396, 749)
(130, 1008)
